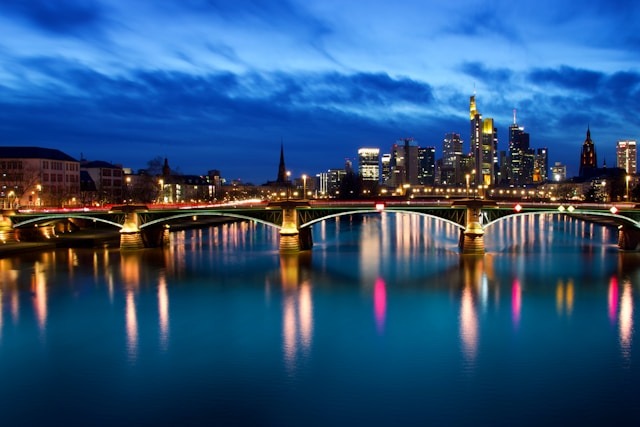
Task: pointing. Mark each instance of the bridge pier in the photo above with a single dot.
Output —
(472, 237)
(292, 238)
(629, 238)
(130, 235)
(7, 232)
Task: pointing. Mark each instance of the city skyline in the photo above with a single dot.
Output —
(220, 85)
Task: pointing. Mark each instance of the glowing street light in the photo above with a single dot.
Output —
(304, 185)
(627, 179)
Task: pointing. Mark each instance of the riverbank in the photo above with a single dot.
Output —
(78, 239)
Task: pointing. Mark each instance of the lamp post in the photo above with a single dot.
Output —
(627, 179)
(304, 185)
(127, 190)
(38, 200)
(161, 190)
(467, 176)
(288, 185)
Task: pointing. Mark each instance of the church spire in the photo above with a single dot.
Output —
(282, 170)
(588, 159)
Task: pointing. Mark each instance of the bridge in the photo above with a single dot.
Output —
(149, 226)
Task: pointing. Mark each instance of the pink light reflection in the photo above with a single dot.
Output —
(380, 303)
(613, 298)
(516, 302)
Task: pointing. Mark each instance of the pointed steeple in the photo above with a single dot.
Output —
(282, 170)
(588, 159)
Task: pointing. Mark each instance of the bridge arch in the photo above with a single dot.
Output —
(220, 214)
(607, 217)
(48, 218)
(375, 211)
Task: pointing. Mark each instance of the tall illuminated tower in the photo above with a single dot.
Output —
(488, 153)
(476, 138)
(588, 159)
(626, 156)
(518, 169)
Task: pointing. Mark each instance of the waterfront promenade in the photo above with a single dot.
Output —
(78, 239)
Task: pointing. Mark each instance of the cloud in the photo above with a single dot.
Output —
(489, 76)
(63, 17)
(567, 78)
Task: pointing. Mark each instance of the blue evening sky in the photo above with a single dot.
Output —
(217, 84)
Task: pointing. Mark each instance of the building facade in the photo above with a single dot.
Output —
(36, 176)
(108, 182)
(626, 156)
(369, 164)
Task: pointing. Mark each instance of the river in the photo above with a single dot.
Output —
(382, 323)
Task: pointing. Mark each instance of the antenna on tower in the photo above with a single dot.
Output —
(514, 117)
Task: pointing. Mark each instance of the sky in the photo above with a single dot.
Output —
(221, 84)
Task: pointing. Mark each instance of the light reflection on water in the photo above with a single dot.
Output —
(383, 322)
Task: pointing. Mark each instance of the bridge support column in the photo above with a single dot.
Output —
(629, 238)
(472, 237)
(130, 236)
(291, 240)
(7, 232)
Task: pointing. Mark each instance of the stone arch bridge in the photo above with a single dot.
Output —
(142, 226)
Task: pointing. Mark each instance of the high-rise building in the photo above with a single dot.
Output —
(386, 169)
(588, 159)
(404, 162)
(369, 164)
(451, 170)
(427, 161)
(540, 166)
(518, 162)
(626, 156)
(475, 139)
(488, 153)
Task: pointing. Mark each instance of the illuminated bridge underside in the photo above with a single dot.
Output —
(292, 218)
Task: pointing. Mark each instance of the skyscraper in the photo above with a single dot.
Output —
(476, 138)
(369, 164)
(488, 153)
(404, 162)
(427, 161)
(588, 160)
(451, 170)
(518, 157)
(626, 156)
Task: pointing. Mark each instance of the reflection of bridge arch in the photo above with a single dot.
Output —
(50, 217)
(375, 211)
(603, 218)
(208, 213)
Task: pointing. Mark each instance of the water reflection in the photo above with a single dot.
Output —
(39, 292)
(163, 311)
(612, 299)
(380, 303)
(297, 308)
(131, 320)
(472, 273)
(564, 296)
(516, 303)
(626, 320)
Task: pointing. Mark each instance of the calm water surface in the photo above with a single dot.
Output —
(382, 323)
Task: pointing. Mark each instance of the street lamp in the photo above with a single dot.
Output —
(304, 185)
(467, 176)
(288, 185)
(627, 179)
(161, 190)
